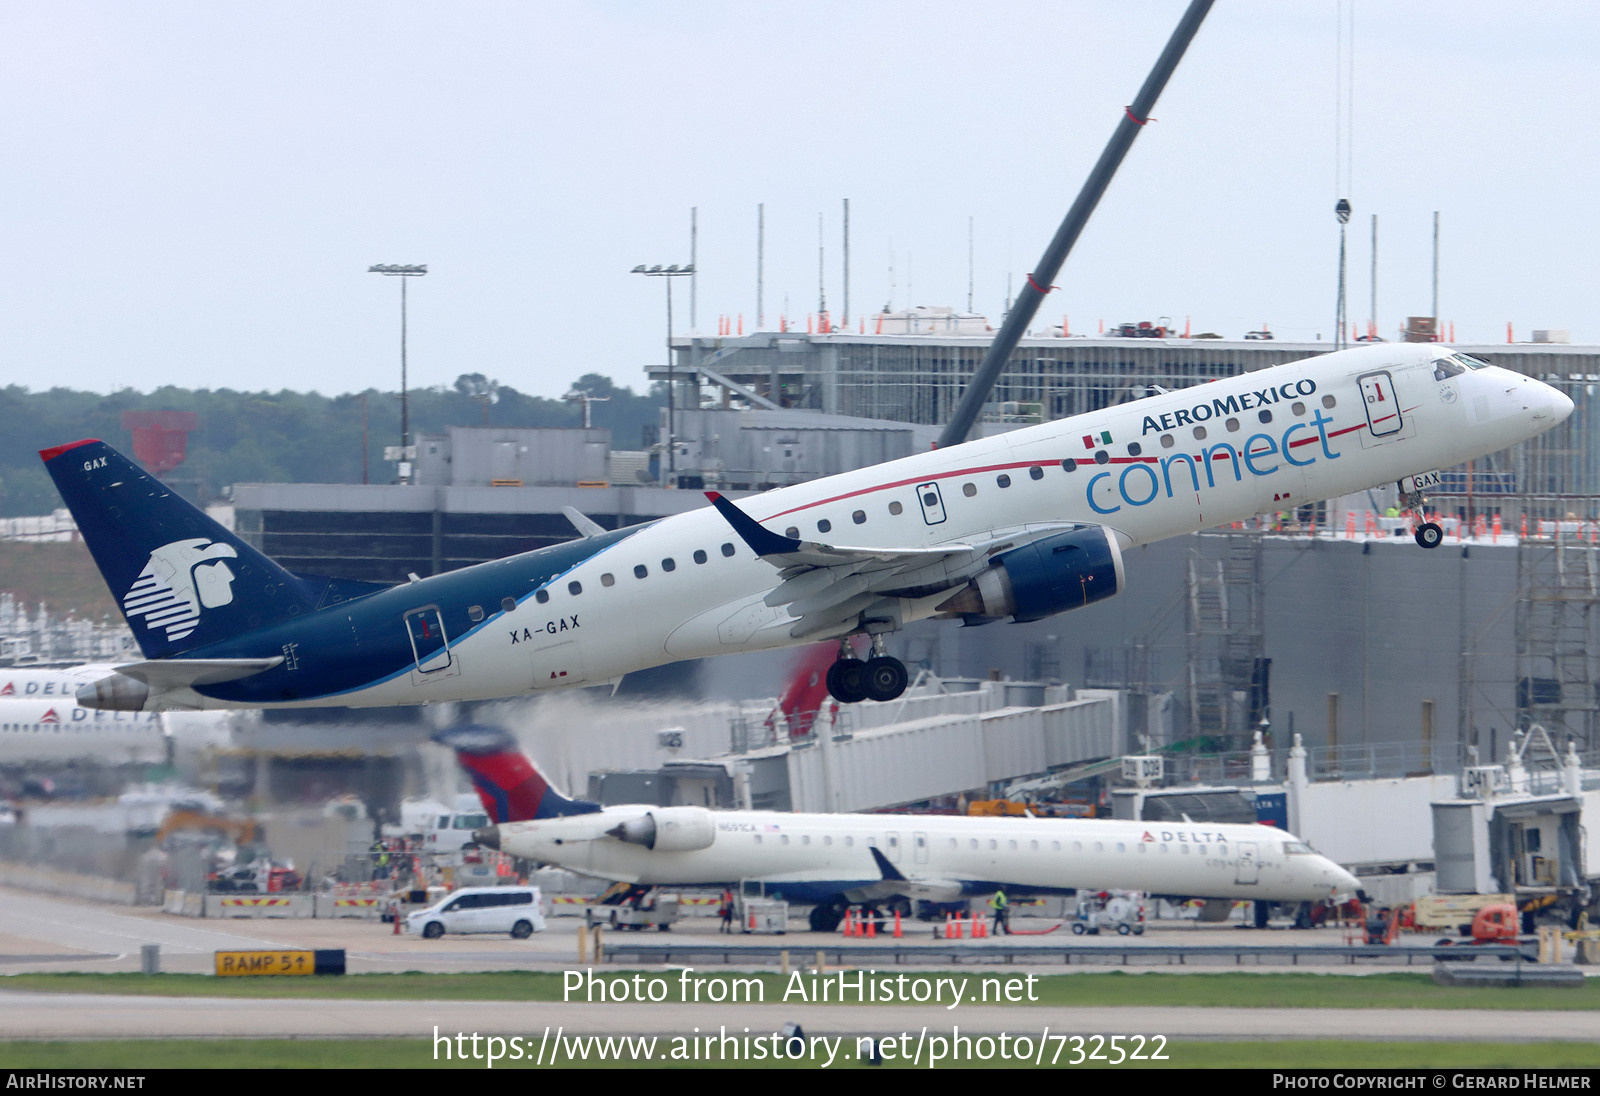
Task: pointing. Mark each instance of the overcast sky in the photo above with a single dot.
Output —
(193, 191)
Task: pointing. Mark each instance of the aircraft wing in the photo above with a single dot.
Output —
(895, 882)
(826, 584)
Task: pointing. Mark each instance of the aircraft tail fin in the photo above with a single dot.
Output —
(181, 580)
(511, 789)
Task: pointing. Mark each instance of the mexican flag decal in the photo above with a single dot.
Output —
(1092, 440)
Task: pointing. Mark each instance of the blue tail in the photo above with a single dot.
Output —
(182, 580)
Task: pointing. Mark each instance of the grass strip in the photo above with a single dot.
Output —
(1113, 988)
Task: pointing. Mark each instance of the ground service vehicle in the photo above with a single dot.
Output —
(512, 910)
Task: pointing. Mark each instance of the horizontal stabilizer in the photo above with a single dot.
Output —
(133, 687)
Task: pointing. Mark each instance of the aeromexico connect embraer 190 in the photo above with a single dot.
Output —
(1019, 526)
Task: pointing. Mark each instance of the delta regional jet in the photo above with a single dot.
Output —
(1021, 526)
(835, 861)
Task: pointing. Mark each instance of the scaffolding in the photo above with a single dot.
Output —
(1558, 579)
(1226, 638)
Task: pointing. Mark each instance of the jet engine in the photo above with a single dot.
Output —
(1066, 571)
(668, 829)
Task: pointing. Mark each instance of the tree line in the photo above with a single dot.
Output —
(289, 437)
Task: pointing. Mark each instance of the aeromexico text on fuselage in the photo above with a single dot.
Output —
(1253, 456)
(1229, 405)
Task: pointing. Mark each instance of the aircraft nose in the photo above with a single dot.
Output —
(1343, 883)
(1561, 404)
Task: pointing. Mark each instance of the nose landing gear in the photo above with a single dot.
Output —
(881, 677)
(1428, 534)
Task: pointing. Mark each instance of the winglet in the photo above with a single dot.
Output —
(762, 541)
(891, 874)
(585, 526)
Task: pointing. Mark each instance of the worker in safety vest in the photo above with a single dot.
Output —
(1002, 913)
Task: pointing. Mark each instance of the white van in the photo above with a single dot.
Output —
(514, 910)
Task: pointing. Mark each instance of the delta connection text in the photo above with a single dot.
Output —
(844, 987)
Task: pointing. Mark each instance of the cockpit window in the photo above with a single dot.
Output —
(1298, 848)
(1455, 365)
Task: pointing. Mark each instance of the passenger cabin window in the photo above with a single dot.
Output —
(969, 489)
(824, 526)
(896, 509)
(727, 549)
(859, 517)
(1036, 473)
(1299, 409)
(793, 532)
(699, 556)
(1002, 481)
(668, 564)
(1134, 449)
(1068, 465)
(640, 571)
(1328, 401)
(1102, 457)
(541, 596)
(1232, 425)
(475, 613)
(1265, 416)
(1168, 441)
(510, 603)
(574, 588)
(608, 579)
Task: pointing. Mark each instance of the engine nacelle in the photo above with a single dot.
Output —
(1066, 571)
(116, 693)
(668, 829)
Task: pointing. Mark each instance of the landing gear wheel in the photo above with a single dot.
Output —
(886, 678)
(825, 916)
(1429, 535)
(847, 681)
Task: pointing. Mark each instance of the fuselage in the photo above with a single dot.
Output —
(815, 857)
(687, 586)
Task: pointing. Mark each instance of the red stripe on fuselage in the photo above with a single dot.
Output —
(1023, 464)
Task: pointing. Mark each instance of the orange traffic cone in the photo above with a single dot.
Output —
(897, 933)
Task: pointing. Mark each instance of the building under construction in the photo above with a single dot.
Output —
(918, 379)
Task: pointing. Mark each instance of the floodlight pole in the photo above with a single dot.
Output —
(669, 273)
(404, 273)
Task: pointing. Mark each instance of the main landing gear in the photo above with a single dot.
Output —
(881, 677)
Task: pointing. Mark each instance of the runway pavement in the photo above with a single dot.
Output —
(42, 933)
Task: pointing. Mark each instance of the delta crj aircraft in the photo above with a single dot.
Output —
(839, 860)
(40, 720)
(1022, 526)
